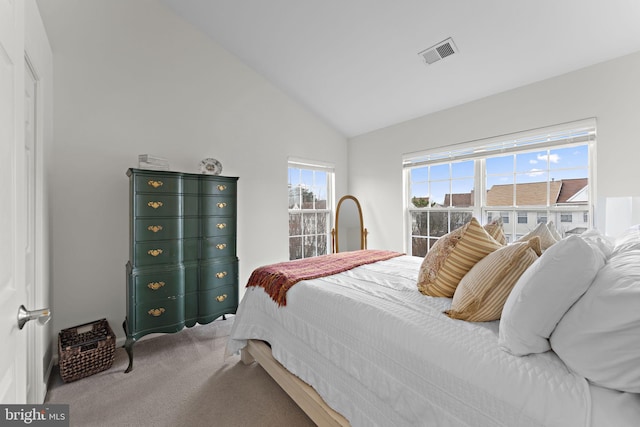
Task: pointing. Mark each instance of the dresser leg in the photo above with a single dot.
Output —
(128, 345)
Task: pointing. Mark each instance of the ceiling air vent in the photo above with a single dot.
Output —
(439, 51)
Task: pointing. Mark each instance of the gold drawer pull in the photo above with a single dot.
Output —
(155, 184)
(221, 225)
(221, 274)
(155, 312)
(155, 205)
(154, 286)
(221, 246)
(154, 228)
(221, 298)
(154, 252)
(222, 187)
(222, 205)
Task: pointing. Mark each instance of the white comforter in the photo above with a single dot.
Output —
(382, 354)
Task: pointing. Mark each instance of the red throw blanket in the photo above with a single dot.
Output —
(276, 279)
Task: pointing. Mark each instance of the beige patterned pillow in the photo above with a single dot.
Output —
(496, 230)
(436, 257)
(440, 273)
(542, 231)
(484, 290)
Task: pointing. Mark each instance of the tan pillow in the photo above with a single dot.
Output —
(496, 230)
(437, 255)
(542, 231)
(484, 290)
(441, 272)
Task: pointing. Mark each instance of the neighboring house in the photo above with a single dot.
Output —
(459, 199)
(572, 191)
(527, 194)
(566, 192)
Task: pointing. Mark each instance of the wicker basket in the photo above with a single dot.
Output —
(84, 350)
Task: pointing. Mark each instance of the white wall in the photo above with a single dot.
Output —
(610, 92)
(132, 78)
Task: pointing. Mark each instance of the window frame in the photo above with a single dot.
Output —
(328, 211)
(576, 133)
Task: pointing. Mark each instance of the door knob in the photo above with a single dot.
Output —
(24, 315)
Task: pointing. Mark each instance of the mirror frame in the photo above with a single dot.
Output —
(334, 231)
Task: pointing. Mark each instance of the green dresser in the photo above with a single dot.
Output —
(182, 267)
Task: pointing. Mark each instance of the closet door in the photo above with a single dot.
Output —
(13, 376)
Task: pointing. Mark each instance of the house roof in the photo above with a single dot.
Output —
(459, 199)
(530, 193)
(527, 194)
(570, 187)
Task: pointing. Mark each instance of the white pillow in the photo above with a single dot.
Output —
(554, 231)
(628, 240)
(544, 293)
(599, 337)
(595, 238)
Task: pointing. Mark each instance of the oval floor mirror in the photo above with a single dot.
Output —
(349, 233)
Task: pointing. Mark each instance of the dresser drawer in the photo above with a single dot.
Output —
(190, 250)
(191, 228)
(219, 300)
(159, 313)
(191, 270)
(217, 274)
(218, 205)
(219, 226)
(158, 229)
(218, 187)
(215, 247)
(157, 184)
(159, 284)
(160, 252)
(190, 205)
(191, 185)
(191, 309)
(155, 205)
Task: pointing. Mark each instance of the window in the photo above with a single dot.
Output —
(310, 209)
(524, 179)
(542, 218)
(523, 218)
(439, 201)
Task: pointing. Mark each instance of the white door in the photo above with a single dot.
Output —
(13, 376)
(34, 353)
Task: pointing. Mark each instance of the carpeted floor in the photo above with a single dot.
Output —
(179, 380)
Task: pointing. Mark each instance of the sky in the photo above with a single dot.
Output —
(560, 163)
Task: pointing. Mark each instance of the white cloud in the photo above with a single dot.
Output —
(535, 172)
(553, 158)
(533, 162)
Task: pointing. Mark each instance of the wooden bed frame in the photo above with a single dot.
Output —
(302, 393)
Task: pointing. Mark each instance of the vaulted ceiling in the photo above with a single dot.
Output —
(356, 63)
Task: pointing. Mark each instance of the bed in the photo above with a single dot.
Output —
(364, 347)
